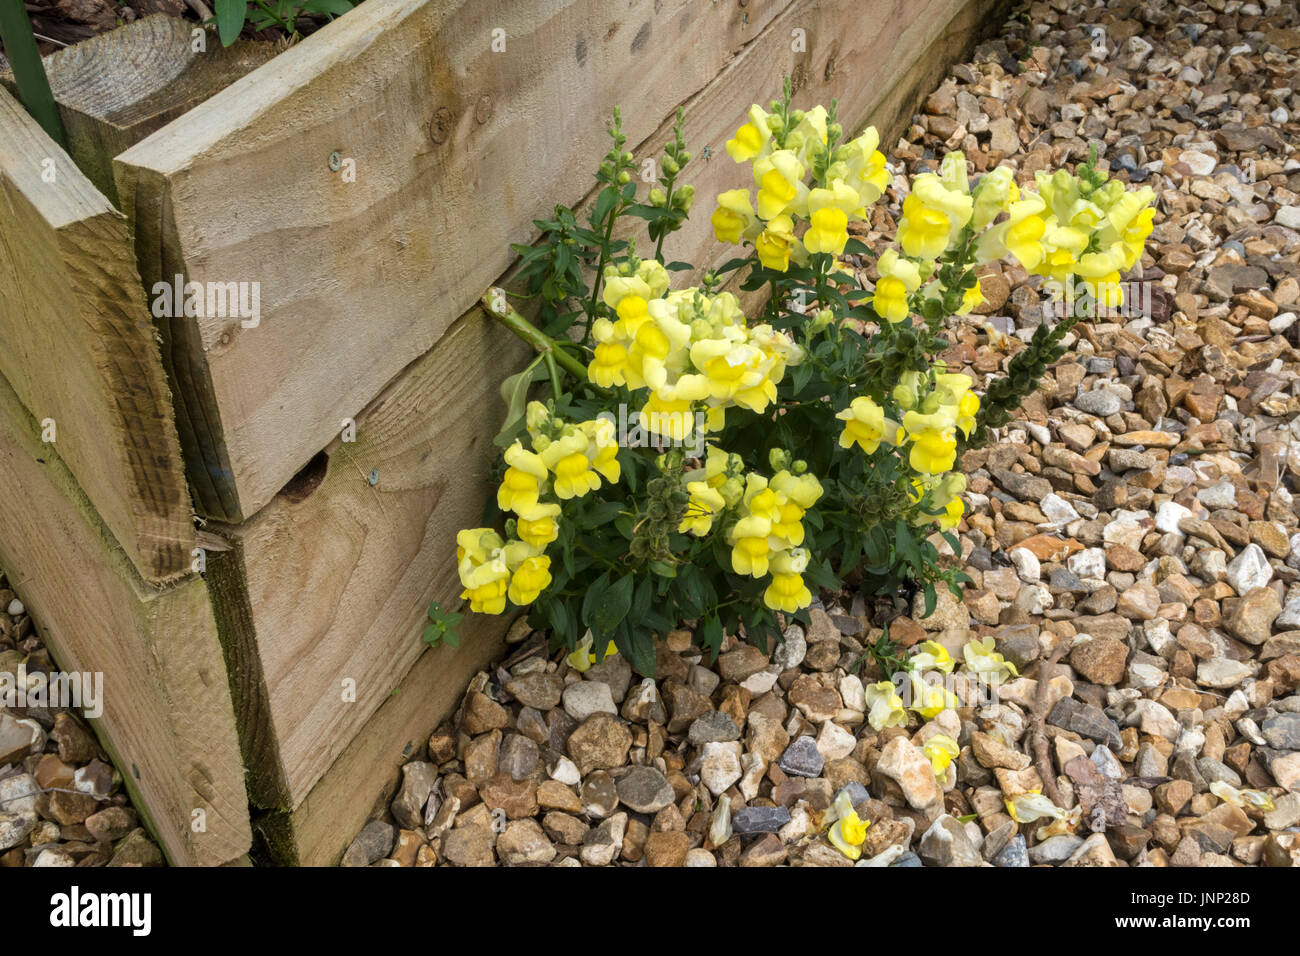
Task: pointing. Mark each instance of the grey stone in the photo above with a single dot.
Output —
(802, 758)
(645, 790)
(759, 819)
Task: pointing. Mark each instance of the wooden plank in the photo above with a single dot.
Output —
(364, 779)
(456, 149)
(167, 717)
(116, 88)
(331, 581)
(79, 347)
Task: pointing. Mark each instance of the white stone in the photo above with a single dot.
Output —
(1088, 563)
(853, 693)
(566, 772)
(700, 857)
(720, 766)
(1289, 619)
(1151, 717)
(1058, 511)
(1222, 495)
(1168, 515)
(760, 683)
(584, 698)
(1201, 164)
(1249, 570)
(1288, 216)
(1222, 673)
(790, 653)
(834, 741)
(16, 607)
(1027, 565)
(1281, 322)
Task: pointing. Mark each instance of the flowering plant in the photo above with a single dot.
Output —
(814, 444)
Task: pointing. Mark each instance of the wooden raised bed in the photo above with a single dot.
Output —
(334, 548)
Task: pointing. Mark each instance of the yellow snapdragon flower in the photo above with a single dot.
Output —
(933, 440)
(941, 750)
(932, 656)
(787, 592)
(781, 189)
(1242, 797)
(1018, 236)
(566, 459)
(899, 278)
(752, 138)
(481, 566)
(703, 505)
(750, 546)
(849, 831)
(609, 364)
(734, 218)
(538, 526)
(983, 660)
(581, 658)
(929, 700)
(776, 243)
(864, 424)
(522, 482)
(828, 223)
(884, 706)
(529, 579)
(864, 166)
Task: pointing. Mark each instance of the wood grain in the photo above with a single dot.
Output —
(456, 148)
(167, 717)
(332, 580)
(79, 347)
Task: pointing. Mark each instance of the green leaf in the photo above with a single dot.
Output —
(612, 607)
(514, 392)
(230, 15)
(638, 647)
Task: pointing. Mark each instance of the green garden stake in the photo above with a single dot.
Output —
(29, 71)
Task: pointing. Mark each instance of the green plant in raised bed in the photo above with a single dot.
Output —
(692, 466)
(232, 15)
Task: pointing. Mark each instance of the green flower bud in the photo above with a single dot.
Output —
(821, 319)
(624, 178)
(658, 197)
(834, 131)
(683, 198)
(627, 157)
(670, 166)
(779, 459)
(799, 467)
(685, 156)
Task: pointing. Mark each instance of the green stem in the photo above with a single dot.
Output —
(495, 303)
(553, 370)
(29, 72)
(600, 270)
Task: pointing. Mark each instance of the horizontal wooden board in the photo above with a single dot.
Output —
(456, 148)
(167, 717)
(331, 581)
(78, 346)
